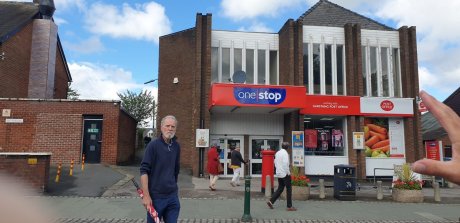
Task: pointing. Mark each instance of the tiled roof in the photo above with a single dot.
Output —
(325, 13)
(15, 15)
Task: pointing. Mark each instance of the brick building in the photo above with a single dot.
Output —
(328, 74)
(34, 78)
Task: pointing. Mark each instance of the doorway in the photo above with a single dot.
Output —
(256, 146)
(225, 143)
(92, 139)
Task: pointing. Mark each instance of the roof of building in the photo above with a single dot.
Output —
(431, 129)
(15, 15)
(325, 13)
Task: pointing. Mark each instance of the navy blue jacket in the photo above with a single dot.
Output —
(161, 163)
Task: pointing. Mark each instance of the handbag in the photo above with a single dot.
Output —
(220, 168)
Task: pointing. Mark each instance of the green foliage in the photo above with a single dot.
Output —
(407, 180)
(139, 105)
(72, 94)
(298, 179)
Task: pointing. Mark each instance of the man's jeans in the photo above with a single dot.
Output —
(167, 208)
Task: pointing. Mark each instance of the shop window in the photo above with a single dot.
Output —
(381, 71)
(384, 137)
(325, 136)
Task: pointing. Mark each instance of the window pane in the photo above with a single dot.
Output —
(214, 65)
(261, 67)
(328, 68)
(316, 69)
(225, 65)
(305, 65)
(274, 67)
(364, 54)
(324, 136)
(384, 58)
(340, 76)
(373, 56)
(396, 74)
(237, 56)
(250, 66)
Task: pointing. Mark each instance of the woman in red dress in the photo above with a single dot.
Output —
(213, 167)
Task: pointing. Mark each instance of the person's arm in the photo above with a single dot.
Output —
(450, 121)
(177, 166)
(146, 200)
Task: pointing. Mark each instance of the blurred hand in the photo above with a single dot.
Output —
(449, 170)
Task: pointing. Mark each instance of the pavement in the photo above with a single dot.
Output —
(105, 193)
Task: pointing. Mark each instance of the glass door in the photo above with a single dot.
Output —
(258, 144)
(225, 144)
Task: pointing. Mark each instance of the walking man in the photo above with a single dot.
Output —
(159, 171)
(236, 161)
(283, 174)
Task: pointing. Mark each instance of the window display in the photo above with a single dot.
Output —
(324, 136)
(384, 137)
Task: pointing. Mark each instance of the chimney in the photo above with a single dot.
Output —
(43, 53)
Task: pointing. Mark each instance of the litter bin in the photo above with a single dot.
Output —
(344, 182)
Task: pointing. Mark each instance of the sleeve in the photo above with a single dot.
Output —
(146, 164)
(177, 166)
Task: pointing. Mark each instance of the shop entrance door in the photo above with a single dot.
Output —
(225, 143)
(255, 151)
(92, 139)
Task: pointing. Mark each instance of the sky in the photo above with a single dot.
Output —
(112, 45)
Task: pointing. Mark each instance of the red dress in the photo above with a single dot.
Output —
(213, 161)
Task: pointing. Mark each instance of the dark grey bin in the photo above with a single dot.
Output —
(345, 182)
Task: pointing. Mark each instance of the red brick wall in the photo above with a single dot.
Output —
(34, 175)
(14, 69)
(56, 126)
(126, 138)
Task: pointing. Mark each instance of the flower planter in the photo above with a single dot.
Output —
(298, 193)
(407, 196)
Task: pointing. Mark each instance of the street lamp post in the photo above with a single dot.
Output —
(154, 103)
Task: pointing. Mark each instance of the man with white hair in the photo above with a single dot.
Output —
(159, 171)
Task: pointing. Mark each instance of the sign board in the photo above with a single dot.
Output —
(433, 150)
(93, 130)
(298, 148)
(387, 106)
(358, 140)
(202, 138)
(14, 120)
(32, 161)
(6, 112)
(335, 105)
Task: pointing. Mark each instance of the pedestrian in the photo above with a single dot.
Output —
(450, 121)
(236, 160)
(147, 140)
(283, 174)
(159, 173)
(213, 167)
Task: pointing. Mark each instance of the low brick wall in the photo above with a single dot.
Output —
(32, 168)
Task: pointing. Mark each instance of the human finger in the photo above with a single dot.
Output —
(447, 170)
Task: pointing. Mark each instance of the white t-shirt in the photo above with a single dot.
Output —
(282, 163)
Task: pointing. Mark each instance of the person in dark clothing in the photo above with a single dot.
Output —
(147, 140)
(236, 161)
(159, 172)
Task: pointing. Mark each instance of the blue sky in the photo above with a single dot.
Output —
(112, 45)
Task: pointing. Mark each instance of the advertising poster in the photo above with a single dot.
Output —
(376, 136)
(337, 138)
(311, 136)
(396, 135)
(297, 148)
(358, 140)
(432, 150)
(202, 138)
(323, 139)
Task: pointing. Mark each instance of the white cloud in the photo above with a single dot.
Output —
(88, 46)
(256, 27)
(143, 21)
(250, 9)
(96, 81)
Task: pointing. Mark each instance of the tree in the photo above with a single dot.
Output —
(72, 93)
(140, 106)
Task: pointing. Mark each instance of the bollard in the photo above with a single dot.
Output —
(83, 162)
(58, 173)
(322, 194)
(71, 168)
(379, 190)
(437, 192)
(247, 197)
(268, 187)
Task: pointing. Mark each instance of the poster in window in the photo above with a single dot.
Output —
(311, 138)
(323, 138)
(376, 135)
(396, 136)
(337, 138)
